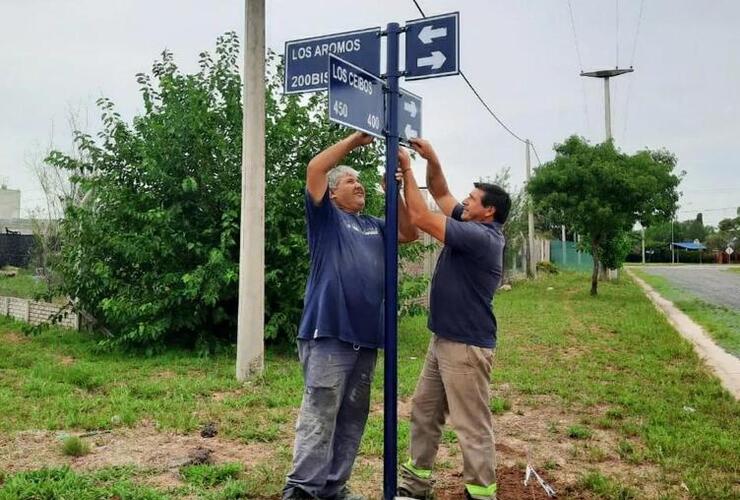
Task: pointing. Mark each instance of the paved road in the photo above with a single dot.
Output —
(713, 284)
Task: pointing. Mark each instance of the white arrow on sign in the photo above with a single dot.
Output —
(436, 60)
(410, 106)
(410, 132)
(428, 34)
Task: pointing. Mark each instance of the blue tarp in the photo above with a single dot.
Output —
(689, 245)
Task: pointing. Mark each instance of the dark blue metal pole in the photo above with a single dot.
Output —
(390, 387)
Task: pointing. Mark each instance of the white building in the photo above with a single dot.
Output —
(10, 203)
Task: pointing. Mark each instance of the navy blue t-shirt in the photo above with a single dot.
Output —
(466, 277)
(344, 292)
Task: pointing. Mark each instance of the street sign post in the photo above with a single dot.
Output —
(348, 64)
(356, 97)
(306, 60)
(409, 116)
(433, 46)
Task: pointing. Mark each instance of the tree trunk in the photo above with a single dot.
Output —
(595, 273)
(603, 272)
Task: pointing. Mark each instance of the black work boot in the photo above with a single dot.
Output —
(404, 493)
(346, 494)
(296, 493)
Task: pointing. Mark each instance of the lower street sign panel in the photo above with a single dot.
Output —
(409, 116)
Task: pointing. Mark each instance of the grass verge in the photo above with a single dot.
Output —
(611, 364)
(23, 285)
(722, 323)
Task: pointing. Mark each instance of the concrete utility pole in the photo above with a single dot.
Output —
(605, 74)
(643, 244)
(532, 271)
(563, 244)
(673, 258)
(250, 333)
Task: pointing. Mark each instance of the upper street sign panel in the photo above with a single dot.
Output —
(356, 98)
(306, 60)
(432, 46)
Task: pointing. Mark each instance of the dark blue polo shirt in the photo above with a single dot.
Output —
(467, 274)
(344, 292)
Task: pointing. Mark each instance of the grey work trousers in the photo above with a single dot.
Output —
(336, 402)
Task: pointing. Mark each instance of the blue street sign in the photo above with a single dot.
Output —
(409, 115)
(306, 59)
(356, 97)
(433, 46)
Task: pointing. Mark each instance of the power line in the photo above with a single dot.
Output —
(736, 188)
(488, 108)
(616, 35)
(707, 210)
(632, 62)
(580, 64)
(637, 33)
(575, 37)
(535, 153)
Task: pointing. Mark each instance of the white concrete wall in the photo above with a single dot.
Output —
(10, 204)
(36, 312)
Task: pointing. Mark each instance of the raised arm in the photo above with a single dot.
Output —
(407, 232)
(436, 182)
(319, 166)
(432, 223)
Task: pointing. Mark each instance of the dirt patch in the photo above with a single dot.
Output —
(221, 395)
(165, 374)
(510, 481)
(534, 431)
(13, 338)
(66, 360)
(142, 446)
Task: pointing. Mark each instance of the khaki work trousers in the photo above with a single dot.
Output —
(454, 382)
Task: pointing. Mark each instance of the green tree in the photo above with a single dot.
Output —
(151, 252)
(601, 193)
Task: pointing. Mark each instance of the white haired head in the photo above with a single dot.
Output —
(338, 172)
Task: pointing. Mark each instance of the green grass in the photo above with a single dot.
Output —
(63, 483)
(209, 482)
(612, 358)
(605, 487)
(73, 446)
(579, 432)
(211, 475)
(23, 285)
(722, 323)
(735, 269)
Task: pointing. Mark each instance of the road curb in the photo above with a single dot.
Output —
(724, 365)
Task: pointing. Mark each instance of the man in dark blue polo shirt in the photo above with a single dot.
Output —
(455, 379)
(342, 324)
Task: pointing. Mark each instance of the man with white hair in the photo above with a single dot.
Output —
(342, 324)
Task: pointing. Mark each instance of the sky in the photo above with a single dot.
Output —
(523, 56)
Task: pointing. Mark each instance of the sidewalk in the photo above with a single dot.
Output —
(724, 365)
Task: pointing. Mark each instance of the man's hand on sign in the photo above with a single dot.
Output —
(360, 139)
(424, 148)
